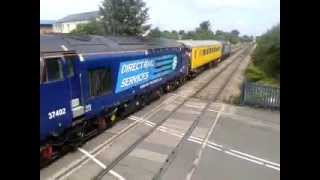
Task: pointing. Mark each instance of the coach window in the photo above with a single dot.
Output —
(53, 69)
(100, 81)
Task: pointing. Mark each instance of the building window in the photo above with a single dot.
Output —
(100, 81)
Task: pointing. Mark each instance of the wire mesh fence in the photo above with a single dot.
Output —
(260, 95)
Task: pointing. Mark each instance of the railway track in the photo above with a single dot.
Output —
(74, 165)
(171, 157)
(225, 81)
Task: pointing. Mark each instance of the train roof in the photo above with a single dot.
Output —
(199, 43)
(95, 44)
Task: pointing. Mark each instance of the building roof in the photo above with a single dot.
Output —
(86, 16)
(47, 22)
(199, 43)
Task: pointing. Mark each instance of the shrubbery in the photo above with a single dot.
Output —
(265, 67)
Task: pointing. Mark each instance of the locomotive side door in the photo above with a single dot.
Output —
(55, 112)
(72, 64)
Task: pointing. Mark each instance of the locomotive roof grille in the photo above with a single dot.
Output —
(102, 45)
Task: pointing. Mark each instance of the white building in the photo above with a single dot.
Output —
(69, 23)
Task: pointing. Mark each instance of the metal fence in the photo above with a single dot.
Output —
(259, 95)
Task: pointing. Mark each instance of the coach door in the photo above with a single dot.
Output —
(74, 80)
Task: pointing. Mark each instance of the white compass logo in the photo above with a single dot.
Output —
(174, 63)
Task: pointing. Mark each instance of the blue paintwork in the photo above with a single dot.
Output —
(121, 95)
(53, 96)
(75, 81)
(143, 70)
(59, 94)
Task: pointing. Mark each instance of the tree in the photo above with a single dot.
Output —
(266, 56)
(189, 35)
(182, 32)
(155, 32)
(93, 27)
(205, 26)
(124, 17)
(235, 33)
(204, 32)
(174, 34)
(220, 35)
(170, 35)
(245, 38)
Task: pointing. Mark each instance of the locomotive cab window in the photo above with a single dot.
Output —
(100, 82)
(70, 61)
(41, 70)
(53, 69)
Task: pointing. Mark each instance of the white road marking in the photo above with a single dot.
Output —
(273, 167)
(204, 144)
(212, 110)
(115, 174)
(215, 146)
(118, 176)
(92, 158)
(252, 121)
(174, 94)
(73, 165)
(137, 119)
(193, 106)
(253, 157)
(242, 157)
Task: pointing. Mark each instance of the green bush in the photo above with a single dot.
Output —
(93, 27)
(255, 74)
(266, 58)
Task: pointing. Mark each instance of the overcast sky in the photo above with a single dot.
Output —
(252, 17)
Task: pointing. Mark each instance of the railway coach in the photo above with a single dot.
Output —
(202, 53)
(226, 49)
(88, 82)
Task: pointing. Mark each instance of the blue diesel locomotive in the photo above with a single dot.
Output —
(88, 82)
